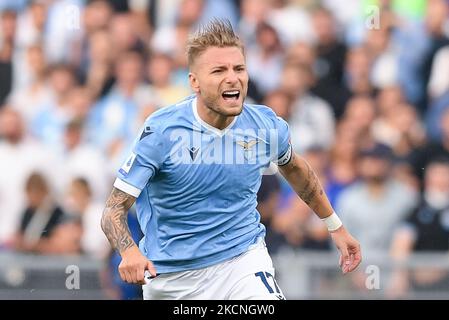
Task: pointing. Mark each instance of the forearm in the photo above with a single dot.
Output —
(304, 181)
(114, 220)
(306, 184)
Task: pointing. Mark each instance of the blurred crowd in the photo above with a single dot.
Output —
(363, 84)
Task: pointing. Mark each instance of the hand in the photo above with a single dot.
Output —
(350, 255)
(133, 266)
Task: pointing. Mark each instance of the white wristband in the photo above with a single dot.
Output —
(333, 222)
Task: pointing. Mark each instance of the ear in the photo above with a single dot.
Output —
(194, 84)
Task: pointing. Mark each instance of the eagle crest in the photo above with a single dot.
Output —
(247, 145)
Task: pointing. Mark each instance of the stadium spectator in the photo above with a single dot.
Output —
(265, 57)
(311, 119)
(356, 78)
(51, 118)
(63, 31)
(434, 22)
(301, 53)
(280, 101)
(80, 101)
(252, 13)
(360, 113)
(114, 118)
(97, 72)
(80, 158)
(399, 128)
(38, 232)
(124, 37)
(377, 199)
(97, 15)
(20, 155)
(160, 74)
(79, 202)
(384, 57)
(439, 78)
(388, 98)
(341, 169)
(425, 229)
(30, 99)
(8, 22)
(224, 9)
(422, 156)
(437, 108)
(171, 39)
(285, 16)
(330, 58)
(31, 32)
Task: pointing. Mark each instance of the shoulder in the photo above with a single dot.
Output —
(260, 109)
(413, 216)
(405, 194)
(262, 114)
(169, 116)
(402, 188)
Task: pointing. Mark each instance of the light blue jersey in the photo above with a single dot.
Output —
(196, 185)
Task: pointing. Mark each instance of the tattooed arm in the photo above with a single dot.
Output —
(115, 227)
(304, 181)
(114, 221)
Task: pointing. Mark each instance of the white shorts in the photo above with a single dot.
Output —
(248, 276)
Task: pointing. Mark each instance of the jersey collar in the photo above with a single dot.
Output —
(219, 132)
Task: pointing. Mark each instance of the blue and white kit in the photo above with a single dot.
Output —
(196, 185)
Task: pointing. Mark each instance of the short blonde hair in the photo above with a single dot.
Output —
(217, 33)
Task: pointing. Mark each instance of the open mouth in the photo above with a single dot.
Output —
(231, 94)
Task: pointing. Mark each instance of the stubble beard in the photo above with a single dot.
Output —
(215, 104)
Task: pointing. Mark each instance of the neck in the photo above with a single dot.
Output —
(83, 206)
(211, 117)
(127, 88)
(61, 100)
(376, 188)
(14, 139)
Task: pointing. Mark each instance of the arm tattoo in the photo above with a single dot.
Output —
(114, 220)
(311, 188)
(306, 184)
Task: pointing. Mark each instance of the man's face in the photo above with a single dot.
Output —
(437, 178)
(374, 168)
(220, 79)
(11, 126)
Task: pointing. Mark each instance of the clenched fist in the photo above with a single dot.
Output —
(133, 266)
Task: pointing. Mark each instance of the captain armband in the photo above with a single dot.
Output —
(286, 157)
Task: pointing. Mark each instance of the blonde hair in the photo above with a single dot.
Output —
(217, 33)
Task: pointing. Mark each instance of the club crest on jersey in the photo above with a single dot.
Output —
(248, 147)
